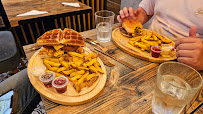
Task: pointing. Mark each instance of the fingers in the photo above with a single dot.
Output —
(185, 40)
(185, 60)
(131, 11)
(122, 14)
(119, 19)
(192, 32)
(185, 47)
(125, 11)
(185, 53)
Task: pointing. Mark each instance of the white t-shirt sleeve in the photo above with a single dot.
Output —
(148, 6)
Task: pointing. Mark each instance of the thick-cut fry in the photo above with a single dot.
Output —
(52, 63)
(148, 36)
(92, 80)
(61, 59)
(91, 62)
(65, 64)
(58, 74)
(82, 78)
(142, 46)
(83, 68)
(162, 37)
(135, 39)
(92, 55)
(155, 38)
(47, 65)
(56, 60)
(77, 73)
(93, 69)
(90, 76)
(99, 69)
(53, 69)
(78, 76)
(58, 53)
(76, 54)
(61, 69)
(69, 71)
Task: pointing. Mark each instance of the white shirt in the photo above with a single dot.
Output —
(173, 18)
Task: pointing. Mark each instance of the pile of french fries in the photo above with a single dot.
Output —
(145, 41)
(80, 68)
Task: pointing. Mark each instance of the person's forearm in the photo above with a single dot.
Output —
(143, 17)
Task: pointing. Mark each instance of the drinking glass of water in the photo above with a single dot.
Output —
(175, 86)
(104, 22)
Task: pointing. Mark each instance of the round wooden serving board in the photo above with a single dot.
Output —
(70, 97)
(122, 42)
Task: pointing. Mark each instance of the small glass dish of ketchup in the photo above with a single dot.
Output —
(60, 84)
(156, 50)
(47, 78)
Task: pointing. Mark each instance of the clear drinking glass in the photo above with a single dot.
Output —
(175, 86)
(104, 22)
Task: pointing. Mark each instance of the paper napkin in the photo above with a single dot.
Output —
(33, 12)
(71, 4)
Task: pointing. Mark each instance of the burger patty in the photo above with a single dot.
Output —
(125, 32)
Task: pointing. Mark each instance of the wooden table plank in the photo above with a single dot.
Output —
(127, 92)
(15, 7)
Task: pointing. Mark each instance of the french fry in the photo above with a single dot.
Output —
(58, 53)
(61, 69)
(77, 76)
(52, 63)
(82, 78)
(148, 36)
(77, 73)
(142, 46)
(76, 54)
(61, 59)
(91, 76)
(65, 64)
(91, 62)
(53, 69)
(69, 71)
(56, 60)
(135, 39)
(83, 68)
(162, 38)
(47, 65)
(58, 74)
(92, 55)
(155, 38)
(99, 69)
(93, 69)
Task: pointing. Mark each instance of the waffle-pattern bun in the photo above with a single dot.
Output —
(58, 36)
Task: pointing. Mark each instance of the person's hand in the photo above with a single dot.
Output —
(128, 14)
(190, 50)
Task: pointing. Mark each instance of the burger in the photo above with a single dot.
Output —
(58, 42)
(131, 28)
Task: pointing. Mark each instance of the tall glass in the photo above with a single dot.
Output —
(104, 22)
(176, 85)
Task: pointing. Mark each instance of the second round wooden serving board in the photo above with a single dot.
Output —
(70, 97)
(122, 42)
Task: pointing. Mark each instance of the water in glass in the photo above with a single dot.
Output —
(171, 95)
(104, 31)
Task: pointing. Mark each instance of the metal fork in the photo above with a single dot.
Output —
(94, 42)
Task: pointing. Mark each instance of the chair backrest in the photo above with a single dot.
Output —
(135, 5)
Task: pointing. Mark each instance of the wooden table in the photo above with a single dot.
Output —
(127, 92)
(53, 7)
